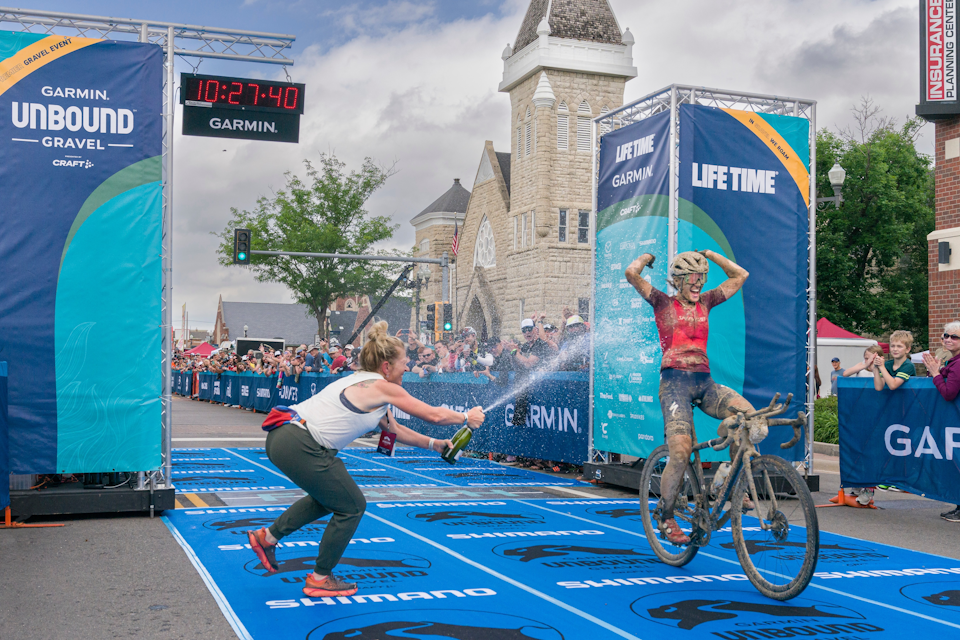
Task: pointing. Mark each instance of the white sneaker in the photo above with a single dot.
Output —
(865, 497)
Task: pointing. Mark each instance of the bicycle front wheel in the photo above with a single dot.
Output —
(779, 540)
(684, 509)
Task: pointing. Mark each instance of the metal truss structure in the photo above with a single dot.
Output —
(183, 40)
(669, 99)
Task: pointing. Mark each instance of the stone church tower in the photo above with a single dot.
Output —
(526, 233)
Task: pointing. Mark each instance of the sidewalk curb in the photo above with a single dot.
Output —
(827, 449)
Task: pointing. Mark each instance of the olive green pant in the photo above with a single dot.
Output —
(329, 487)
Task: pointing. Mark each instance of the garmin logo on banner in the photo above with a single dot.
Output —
(940, 49)
(927, 445)
(70, 92)
(541, 417)
(712, 176)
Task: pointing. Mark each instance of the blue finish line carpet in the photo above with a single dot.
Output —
(248, 469)
(551, 570)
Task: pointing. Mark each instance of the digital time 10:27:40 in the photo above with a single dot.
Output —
(241, 93)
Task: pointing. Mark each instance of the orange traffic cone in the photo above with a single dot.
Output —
(845, 500)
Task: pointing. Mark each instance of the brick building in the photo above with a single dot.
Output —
(525, 233)
(944, 292)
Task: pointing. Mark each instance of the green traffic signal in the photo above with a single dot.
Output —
(241, 246)
(447, 316)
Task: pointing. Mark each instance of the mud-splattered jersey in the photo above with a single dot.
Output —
(684, 330)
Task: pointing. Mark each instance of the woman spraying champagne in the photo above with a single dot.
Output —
(305, 444)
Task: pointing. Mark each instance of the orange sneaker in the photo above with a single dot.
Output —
(672, 531)
(329, 586)
(264, 550)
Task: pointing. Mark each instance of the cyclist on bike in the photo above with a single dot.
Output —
(682, 322)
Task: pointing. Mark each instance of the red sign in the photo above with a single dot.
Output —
(940, 50)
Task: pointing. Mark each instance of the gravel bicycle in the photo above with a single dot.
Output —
(771, 512)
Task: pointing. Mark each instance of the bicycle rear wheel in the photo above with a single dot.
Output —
(653, 467)
(779, 560)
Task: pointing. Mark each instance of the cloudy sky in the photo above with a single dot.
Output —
(414, 84)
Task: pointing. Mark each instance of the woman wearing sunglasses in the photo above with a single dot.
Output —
(682, 321)
(946, 377)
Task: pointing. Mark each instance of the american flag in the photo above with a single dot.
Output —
(456, 238)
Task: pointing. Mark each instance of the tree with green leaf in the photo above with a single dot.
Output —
(324, 213)
(872, 250)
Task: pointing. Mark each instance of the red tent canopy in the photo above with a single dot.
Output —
(205, 349)
(826, 329)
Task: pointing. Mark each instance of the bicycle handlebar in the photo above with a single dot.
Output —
(797, 423)
(773, 409)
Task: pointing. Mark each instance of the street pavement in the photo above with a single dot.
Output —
(124, 576)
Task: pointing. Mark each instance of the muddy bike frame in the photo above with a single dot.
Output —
(707, 519)
(669, 99)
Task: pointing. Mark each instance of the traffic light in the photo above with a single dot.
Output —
(447, 316)
(437, 316)
(431, 317)
(241, 246)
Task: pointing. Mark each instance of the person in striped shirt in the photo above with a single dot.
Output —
(895, 372)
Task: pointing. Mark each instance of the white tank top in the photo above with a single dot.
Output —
(332, 424)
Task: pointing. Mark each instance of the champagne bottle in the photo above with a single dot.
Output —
(459, 440)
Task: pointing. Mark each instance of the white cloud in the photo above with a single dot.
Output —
(422, 94)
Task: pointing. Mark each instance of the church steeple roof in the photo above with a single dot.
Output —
(590, 20)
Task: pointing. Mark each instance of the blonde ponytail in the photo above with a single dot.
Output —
(380, 347)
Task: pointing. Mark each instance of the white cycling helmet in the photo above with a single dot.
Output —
(687, 263)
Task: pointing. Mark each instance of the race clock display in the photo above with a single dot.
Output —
(242, 93)
(225, 107)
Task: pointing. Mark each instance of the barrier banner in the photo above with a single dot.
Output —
(909, 438)
(80, 138)
(206, 386)
(632, 219)
(744, 193)
(4, 457)
(248, 389)
(556, 426)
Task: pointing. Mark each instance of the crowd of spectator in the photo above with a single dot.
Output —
(323, 357)
(543, 346)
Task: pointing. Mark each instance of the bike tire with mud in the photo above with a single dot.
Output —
(649, 486)
(769, 557)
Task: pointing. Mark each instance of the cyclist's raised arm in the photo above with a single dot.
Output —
(634, 275)
(736, 275)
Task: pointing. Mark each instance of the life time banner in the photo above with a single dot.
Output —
(744, 189)
(632, 219)
(80, 137)
(909, 437)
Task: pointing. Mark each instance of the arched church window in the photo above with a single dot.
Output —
(519, 138)
(583, 127)
(527, 134)
(484, 252)
(563, 127)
